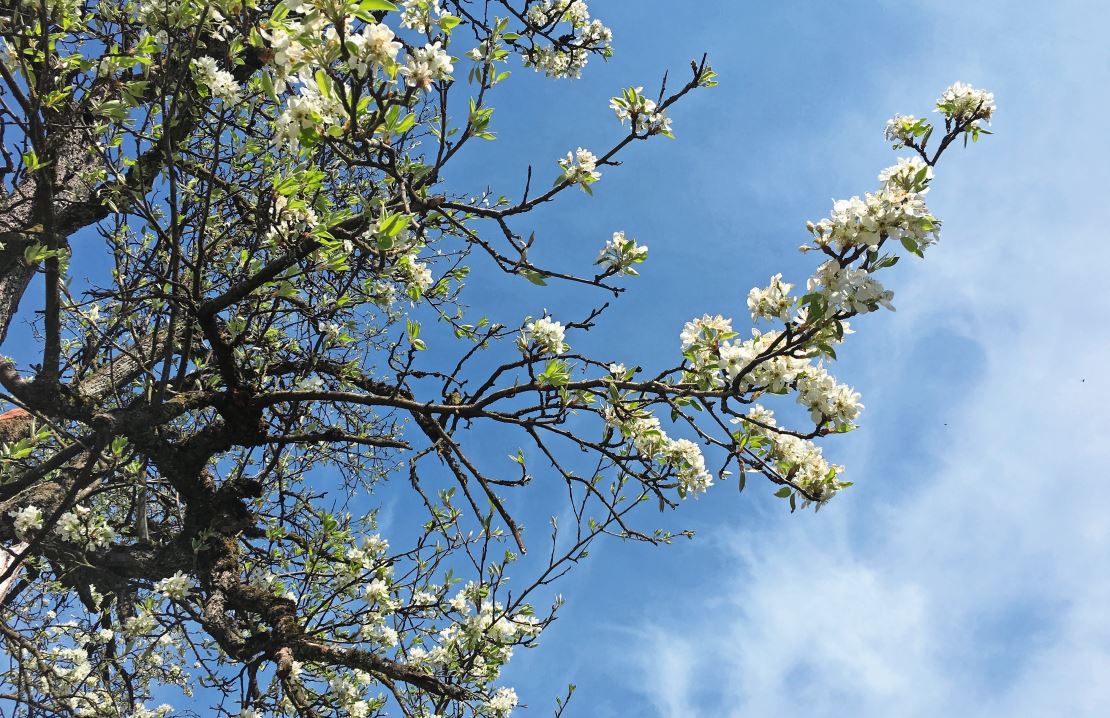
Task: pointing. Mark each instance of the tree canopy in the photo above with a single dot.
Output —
(279, 333)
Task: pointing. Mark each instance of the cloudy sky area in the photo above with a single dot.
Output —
(966, 572)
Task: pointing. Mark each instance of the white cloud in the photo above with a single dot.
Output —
(982, 591)
(978, 585)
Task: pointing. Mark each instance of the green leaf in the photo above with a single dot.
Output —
(394, 224)
(268, 86)
(911, 246)
(783, 492)
(371, 5)
(323, 82)
(286, 186)
(533, 277)
(405, 124)
(113, 109)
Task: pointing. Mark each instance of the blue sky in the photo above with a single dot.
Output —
(964, 573)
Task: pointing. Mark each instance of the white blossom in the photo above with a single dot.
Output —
(827, 399)
(850, 289)
(580, 167)
(80, 526)
(548, 335)
(700, 339)
(176, 587)
(897, 211)
(689, 463)
(774, 302)
(415, 273)
(460, 602)
(27, 520)
(964, 103)
(582, 37)
(426, 65)
(377, 591)
(502, 702)
(141, 624)
(798, 458)
(299, 6)
(910, 174)
(645, 118)
(697, 332)
(220, 83)
(752, 363)
(310, 383)
(619, 254)
(900, 128)
(537, 14)
(376, 47)
(417, 14)
(314, 107)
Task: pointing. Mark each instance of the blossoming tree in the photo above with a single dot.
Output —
(195, 431)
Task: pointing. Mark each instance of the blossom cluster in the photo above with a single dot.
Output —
(502, 702)
(798, 458)
(486, 635)
(70, 665)
(620, 254)
(419, 15)
(348, 690)
(580, 167)
(896, 210)
(84, 528)
(827, 399)
(290, 218)
(548, 335)
(642, 113)
(650, 440)
(221, 84)
(375, 46)
(700, 339)
(314, 108)
(414, 273)
(27, 521)
(427, 64)
(754, 363)
(960, 104)
(963, 103)
(368, 556)
(772, 302)
(569, 57)
(849, 289)
(175, 587)
(784, 361)
(902, 129)
(300, 45)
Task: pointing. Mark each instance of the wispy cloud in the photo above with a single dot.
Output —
(977, 584)
(981, 589)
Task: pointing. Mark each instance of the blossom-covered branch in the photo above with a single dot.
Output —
(278, 343)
